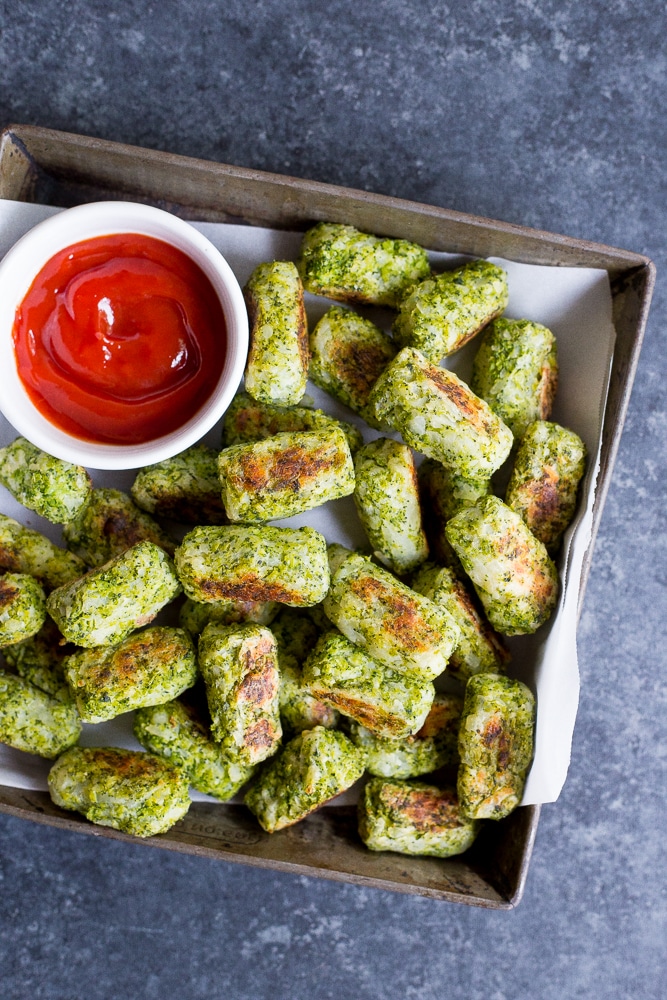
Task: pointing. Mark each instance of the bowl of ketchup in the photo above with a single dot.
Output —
(123, 335)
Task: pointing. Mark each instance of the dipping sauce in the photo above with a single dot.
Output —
(120, 339)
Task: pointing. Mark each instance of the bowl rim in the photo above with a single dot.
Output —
(30, 253)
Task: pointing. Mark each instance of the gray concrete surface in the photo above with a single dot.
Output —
(549, 114)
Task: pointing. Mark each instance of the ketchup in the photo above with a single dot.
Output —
(120, 339)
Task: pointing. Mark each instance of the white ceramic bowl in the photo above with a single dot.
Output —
(17, 272)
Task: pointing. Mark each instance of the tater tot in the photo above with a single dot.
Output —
(149, 667)
(516, 371)
(544, 482)
(177, 732)
(314, 767)
(33, 721)
(445, 311)
(109, 524)
(495, 745)
(388, 703)
(50, 486)
(254, 563)
(285, 474)
(23, 550)
(510, 569)
(438, 415)
(108, 603)
(349, 353)
(345, 264)
(413, 818)
(135, 792)
(185, 488)
(239, 665)
(278, 358)
(22, 607)
(386, 496)
(388, 620)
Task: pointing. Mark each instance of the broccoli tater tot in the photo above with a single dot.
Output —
(388, 620)
(33, 721)
(50, 486)
(109, 524)
(23, 550)
(148, 668)
(285, 474)
(278, 358)
(386, 496)
(413, 818)
(510, 569)
(349, 353)
(254, 563)
(108, 603)
(495, 745)
(239, 665)
(177, 732)
(438, 415)
(345, 264)
(386, 702)
(315, 766)
(516, 371)
(135, 792)
(445, 311)
(185, 488)
(543, 485)
(22, 607)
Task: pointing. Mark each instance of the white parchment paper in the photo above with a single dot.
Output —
(575, 303)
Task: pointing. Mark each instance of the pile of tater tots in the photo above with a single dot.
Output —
(299, 667)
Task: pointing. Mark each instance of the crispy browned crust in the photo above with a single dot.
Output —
(260, 681)
(290, 469)
(8, 591)
(250, 588)
(126, 765)
(368, 715)
(513, 548)
(403, 618)
(9, 559)
(542, 504)
(128, 532)
(439, 717)
(496, 737)
(359, 366)
(258, 688)
(465, 401)
(547, 386)
(427, 809)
